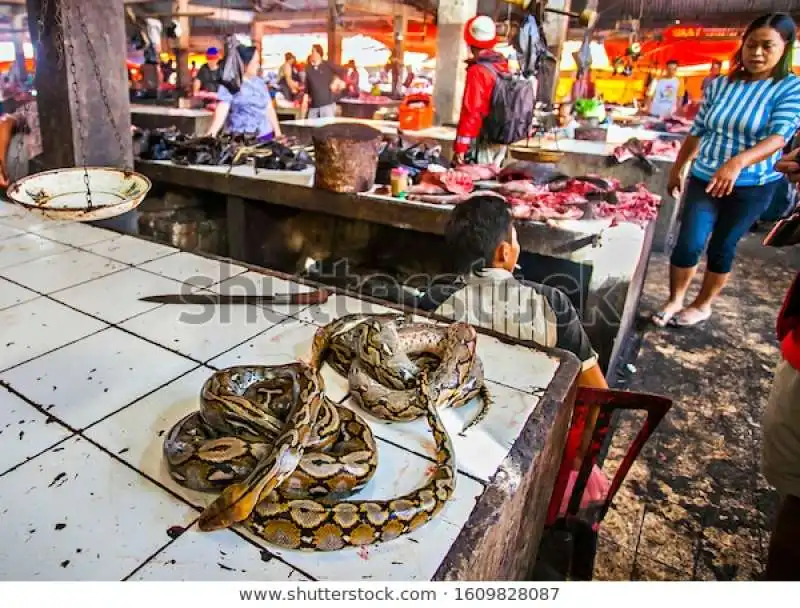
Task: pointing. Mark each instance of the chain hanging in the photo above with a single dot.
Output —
(73, 70)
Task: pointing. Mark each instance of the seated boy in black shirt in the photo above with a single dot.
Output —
(483, 242)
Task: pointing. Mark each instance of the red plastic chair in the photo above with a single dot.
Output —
(579, 533)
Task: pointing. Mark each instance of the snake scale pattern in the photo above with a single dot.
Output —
(287, 459)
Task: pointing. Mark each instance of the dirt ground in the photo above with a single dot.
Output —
(695, 505)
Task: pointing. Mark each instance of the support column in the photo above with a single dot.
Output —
(184, 76)
(399, 51)
(452, 52)
(57, 100)
(18, 25)
(334, 35)
(257, 33)
(555, 30)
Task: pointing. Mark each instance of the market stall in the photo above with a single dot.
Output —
(186, 120)
(136, 368)
(360, 239)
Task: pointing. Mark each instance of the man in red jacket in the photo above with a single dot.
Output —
(480, 34)
(781, 427)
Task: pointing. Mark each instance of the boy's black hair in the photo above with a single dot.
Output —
(674, 62)
(475, 230)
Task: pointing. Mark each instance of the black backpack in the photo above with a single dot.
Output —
(511, 114)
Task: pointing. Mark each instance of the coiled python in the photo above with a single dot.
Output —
(382, 356)
(286, 455)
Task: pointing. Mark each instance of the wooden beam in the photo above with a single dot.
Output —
(334, 35)
(230, 15)
(320, 15)
(383, 7)
(400, 29)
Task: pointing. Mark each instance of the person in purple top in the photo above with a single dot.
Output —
(249, 110)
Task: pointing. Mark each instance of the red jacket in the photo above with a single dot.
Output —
(789, 325)
(477, 101)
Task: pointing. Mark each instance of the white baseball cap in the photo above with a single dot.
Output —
(481, 32)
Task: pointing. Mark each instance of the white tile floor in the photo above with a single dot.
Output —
(91, 380)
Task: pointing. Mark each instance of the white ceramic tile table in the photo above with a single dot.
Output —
(92, 379)
(130, 250)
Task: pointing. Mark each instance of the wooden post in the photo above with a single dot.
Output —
(334, 35)
(65, 109)
(555, 30)
(400, 29)
(184, 77)
(451, 74)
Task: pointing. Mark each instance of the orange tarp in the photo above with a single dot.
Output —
(689, 45)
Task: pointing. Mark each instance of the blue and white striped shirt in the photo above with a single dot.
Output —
(736, 116)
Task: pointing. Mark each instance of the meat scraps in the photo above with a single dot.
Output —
(637, 205)
(479, 172)
(452, 181)
(570, 199)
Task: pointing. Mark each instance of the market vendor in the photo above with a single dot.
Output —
(250, 109)
(208, 76)
(324, 82)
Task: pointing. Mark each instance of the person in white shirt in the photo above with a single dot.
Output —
(663, 94)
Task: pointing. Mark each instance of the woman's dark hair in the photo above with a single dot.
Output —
(786, 27)
(246, 53)
(474, 231)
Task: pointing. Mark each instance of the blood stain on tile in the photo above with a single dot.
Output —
(175, 531)
(58, 479)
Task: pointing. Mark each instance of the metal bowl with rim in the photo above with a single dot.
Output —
(60, 194)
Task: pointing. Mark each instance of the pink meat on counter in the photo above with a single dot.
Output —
(622, 154)
(540, 210)
(452, 181)
(522, 187)
(438, 199)
(426, 188)
(560, 199)
(637, 207)
(667, 149)
(479, 172)
(458, 182)
(542, 214)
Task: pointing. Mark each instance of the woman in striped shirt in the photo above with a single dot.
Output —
(744, 123)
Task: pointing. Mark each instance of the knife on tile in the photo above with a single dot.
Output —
(319, 296)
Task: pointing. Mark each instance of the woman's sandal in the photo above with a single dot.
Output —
(662, 319)
(697, 317)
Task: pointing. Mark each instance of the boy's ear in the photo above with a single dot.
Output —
(503, 252)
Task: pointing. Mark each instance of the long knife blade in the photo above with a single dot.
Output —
(214, 299)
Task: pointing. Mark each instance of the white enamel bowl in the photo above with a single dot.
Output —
(60, 194)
